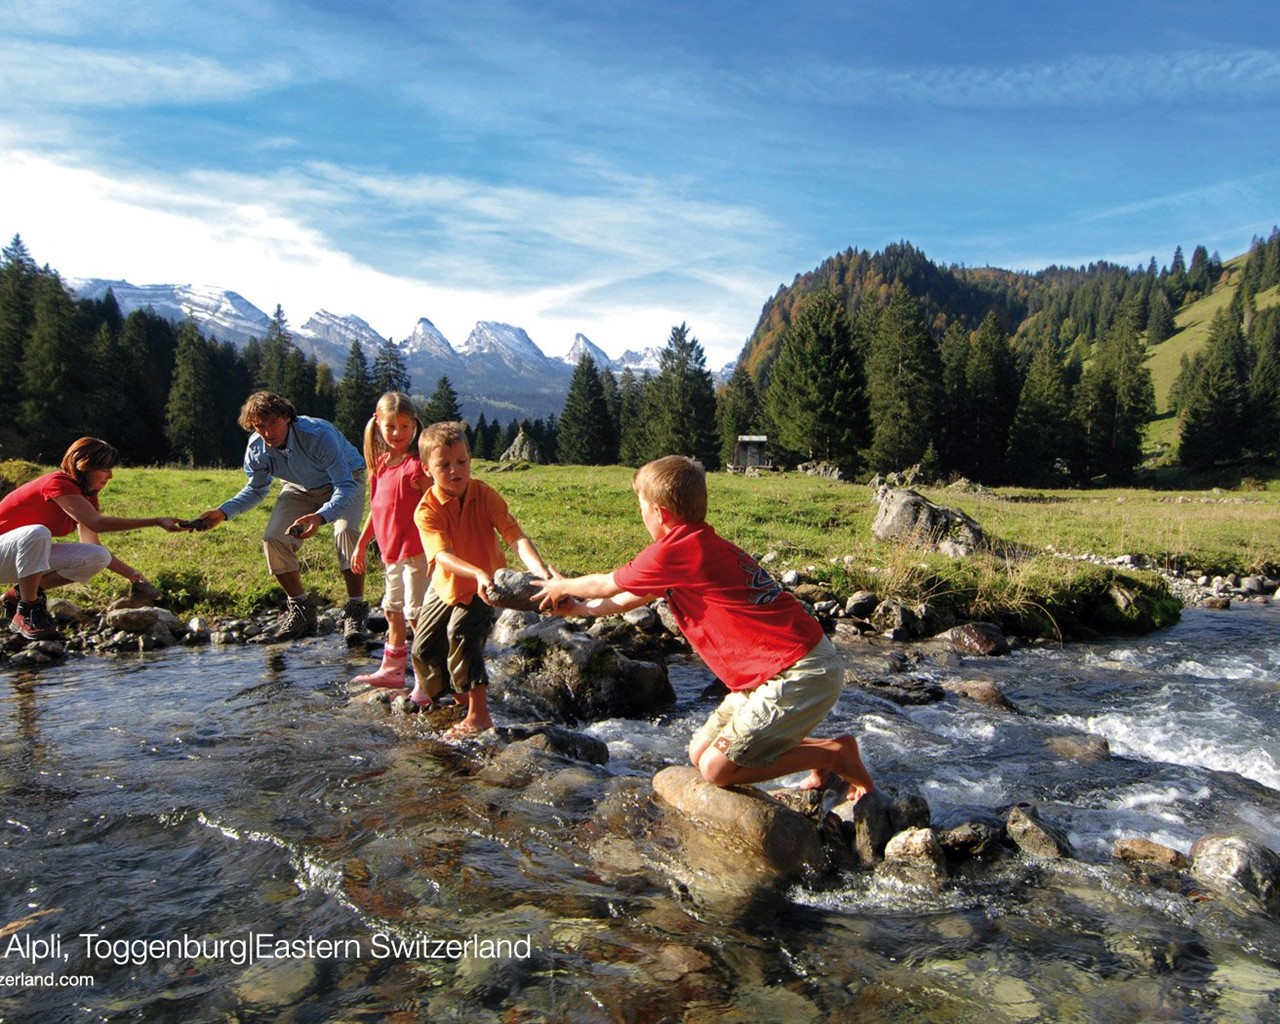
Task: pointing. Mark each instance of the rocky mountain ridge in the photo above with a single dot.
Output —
(498, 370)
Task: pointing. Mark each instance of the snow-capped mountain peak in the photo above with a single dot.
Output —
(502, 340)
(582, 345)
(426, 340)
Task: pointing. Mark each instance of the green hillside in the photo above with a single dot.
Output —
(1165, 360)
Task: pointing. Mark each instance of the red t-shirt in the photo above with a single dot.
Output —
(393, 498)
(33, 504)
(742, 624)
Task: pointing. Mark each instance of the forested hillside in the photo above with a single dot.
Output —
(871, 362)
(878, 361)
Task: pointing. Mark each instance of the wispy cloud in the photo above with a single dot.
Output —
(70, 76)
(1124, 80)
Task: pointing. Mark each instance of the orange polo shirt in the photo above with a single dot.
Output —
(467, 527)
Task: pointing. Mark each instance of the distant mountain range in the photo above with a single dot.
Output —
(497, 371)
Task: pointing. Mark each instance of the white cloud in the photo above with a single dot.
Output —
(51, 74)
(238, 233)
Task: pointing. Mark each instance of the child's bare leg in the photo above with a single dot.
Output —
(839, 754)
(395, 629)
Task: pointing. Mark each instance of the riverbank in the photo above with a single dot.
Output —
(1091, 562)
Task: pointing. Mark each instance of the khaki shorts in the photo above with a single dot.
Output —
(761, 725)
(406, 585)
(293, 502)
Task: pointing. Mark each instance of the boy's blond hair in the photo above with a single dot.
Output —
(676, 483)
(444, 434)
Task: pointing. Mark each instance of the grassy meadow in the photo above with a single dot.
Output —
(585, 519)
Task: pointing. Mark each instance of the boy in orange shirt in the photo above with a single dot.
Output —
(460, 520)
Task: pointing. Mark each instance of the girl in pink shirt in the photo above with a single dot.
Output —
(396, 485)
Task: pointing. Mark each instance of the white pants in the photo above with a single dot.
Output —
(29, 550)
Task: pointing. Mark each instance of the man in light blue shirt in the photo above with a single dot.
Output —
(323, 478)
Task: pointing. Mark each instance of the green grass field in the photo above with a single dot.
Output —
(585, 519)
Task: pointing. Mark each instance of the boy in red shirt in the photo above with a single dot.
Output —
(783, 674)
(460, 520)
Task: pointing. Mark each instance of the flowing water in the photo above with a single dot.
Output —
(220, 834)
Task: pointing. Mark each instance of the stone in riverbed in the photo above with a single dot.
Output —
(1235, 865)
(1036, 838)
(738, 840)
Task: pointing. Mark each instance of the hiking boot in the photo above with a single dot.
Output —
(33, 622)
(354, 618)
(297, 620)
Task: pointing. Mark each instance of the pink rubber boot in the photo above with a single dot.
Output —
(391, 672)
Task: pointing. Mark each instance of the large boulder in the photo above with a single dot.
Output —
(907, 517)
(737, 841)
(1235, 865)
(572, 677)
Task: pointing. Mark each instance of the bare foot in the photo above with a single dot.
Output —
(466, 729)
(852, 770)
(816, 780)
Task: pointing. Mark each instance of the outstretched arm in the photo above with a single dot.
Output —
(595, 594)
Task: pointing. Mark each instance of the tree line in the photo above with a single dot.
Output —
(874, 362)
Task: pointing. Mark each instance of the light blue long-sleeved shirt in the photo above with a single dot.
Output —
(315, 455)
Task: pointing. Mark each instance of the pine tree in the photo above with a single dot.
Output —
(586, 429)
(274, 372)
(682, 405)
(442, 406)
(903, 370)
(1212, 420)
(1114, 402)
(55, 378)
(951, 437)
(389, 372)
(192, 406)
(737, 412)
(633, 433)
(815, 395)
(613, 403)
(992, 386)
(1043, 437)
(356, 396)
(1160, 322)
(18, 277)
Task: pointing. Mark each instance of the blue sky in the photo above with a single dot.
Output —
(618, 168)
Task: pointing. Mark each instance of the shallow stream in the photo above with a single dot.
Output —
(220, 834)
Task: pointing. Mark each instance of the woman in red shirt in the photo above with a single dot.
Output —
(52, 506)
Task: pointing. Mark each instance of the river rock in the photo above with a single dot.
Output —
(1037, 838)
(1140, 849)
(142, 619)
(907, 517)
(278, 983)
(982, 691)
(513, 589)
(556, 739)
(915, 857)
(741, 836)
(67, 612)
(983, 638)
(869, 823)
(572, 677)
(861, 604)
(1235, 864)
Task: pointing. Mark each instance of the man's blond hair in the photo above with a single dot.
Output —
(444, 434)
(676, 483)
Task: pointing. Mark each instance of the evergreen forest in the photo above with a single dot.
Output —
(872, 362)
